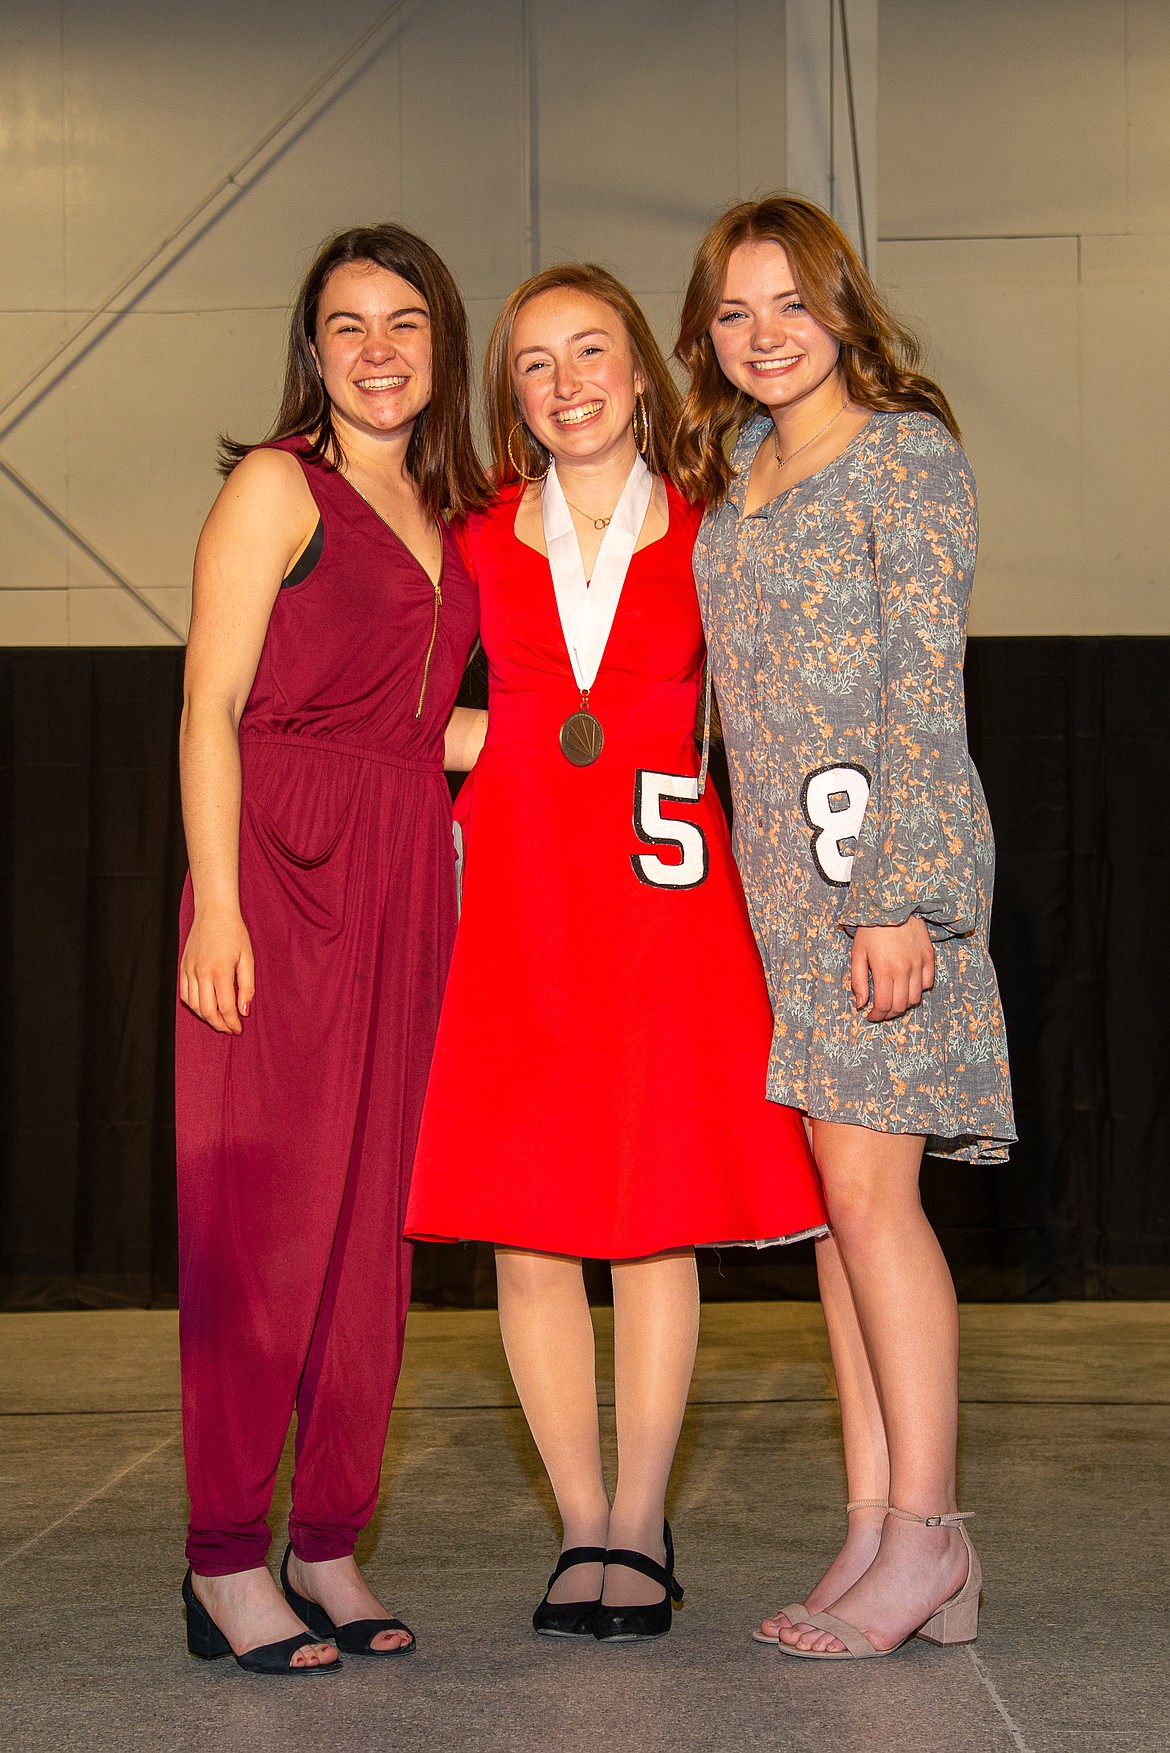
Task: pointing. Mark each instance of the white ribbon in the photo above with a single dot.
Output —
(587, 606)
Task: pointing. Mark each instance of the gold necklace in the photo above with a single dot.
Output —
(782, 462)
(599, 523)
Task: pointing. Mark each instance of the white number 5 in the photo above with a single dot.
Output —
(655, 829)
(834, 800)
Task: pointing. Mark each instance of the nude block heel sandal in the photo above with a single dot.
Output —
(956, 1621)
(798, 1612)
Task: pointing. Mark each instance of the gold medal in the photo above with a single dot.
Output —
(582, 737)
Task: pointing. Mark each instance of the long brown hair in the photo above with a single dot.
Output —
(440, 457)
(503, 411)
(879, 357)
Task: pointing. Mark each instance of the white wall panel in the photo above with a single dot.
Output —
(463, 103)
(162, 101)
(37, 617)
(1047, 118)
(164, 386)
(1001, 119)
(1000, 322)
(32, 151)
(761, 118)
(1147, 68)
(1125, 387)
(637, 131)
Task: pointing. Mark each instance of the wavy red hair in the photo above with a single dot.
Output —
(879, 357)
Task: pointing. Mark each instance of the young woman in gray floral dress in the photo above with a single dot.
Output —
(834, 565)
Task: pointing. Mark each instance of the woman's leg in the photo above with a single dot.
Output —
(867, 1463)
(548, 1338)
(908, 1317)
(348, 1381)
(656, 1331)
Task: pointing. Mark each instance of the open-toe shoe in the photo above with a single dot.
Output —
(355, 1638)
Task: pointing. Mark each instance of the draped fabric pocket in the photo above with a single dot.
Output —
(300, 800)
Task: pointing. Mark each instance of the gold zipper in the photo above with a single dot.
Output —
(438, 589)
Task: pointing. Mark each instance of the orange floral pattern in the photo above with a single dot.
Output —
(836, 621)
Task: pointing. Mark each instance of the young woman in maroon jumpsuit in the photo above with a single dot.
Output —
(332, 620)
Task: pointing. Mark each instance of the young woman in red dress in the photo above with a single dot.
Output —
(598, 1085)
(332, 619)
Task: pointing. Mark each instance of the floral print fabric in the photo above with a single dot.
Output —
(836, 621)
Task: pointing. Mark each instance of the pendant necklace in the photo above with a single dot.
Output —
(599, 523)
(587, 606)
(782, 462)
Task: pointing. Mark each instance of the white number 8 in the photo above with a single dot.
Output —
(655, 829)
(834, 800)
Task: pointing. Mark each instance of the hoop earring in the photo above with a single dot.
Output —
(516, 465)
(643, 442)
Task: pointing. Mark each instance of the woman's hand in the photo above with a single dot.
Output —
(899, 959)
(217, 975)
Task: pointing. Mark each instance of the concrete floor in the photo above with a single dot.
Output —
(1064, 1455)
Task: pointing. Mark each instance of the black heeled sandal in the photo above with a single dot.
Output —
(568, 1618)
(356, 1637)
(206, 1640)
(625, 1624)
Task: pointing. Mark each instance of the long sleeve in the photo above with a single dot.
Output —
(917, 849)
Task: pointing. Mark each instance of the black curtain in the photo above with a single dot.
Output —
(1071, 742)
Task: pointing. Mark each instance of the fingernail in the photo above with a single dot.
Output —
(243, 1010)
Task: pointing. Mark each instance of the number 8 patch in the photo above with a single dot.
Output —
(655, 829)
(834, 800)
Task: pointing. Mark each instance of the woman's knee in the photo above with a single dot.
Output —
(862, 1204)
(525, 1276)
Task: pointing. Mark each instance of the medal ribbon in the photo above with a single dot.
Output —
(587, 606)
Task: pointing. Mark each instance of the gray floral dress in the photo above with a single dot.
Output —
(836, 621)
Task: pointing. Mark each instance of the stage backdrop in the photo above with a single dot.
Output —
(1066, 732)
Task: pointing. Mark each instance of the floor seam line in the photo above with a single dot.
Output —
(993, 1693)
(84, 1503)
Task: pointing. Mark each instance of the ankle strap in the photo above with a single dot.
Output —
(867, 1503)
(576, 1555)
(949, 1519)
(646, 1567)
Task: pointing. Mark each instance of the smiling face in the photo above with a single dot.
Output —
(766, 342)
(373, 348)
(573, 375)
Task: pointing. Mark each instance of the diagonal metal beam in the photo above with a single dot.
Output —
(200, 218)
(69, 529)
(182, 236)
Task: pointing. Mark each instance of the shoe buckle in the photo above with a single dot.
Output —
(932, 1521)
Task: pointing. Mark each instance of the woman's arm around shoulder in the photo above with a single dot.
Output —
(262, 519)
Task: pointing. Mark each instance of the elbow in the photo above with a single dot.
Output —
(206, 716)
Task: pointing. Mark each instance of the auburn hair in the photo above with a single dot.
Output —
(879, 357)
(440, 457)
(660, 395)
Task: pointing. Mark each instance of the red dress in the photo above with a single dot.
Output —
(295, 1138)
(598, 1081)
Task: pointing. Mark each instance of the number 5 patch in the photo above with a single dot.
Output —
(834, 800)
(655, 829)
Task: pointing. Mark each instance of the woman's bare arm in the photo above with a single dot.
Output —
(263, 517)
(463, 739)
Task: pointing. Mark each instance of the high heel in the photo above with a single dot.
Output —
(625, 1624)
(206, 1640)
(797, 1613)
(568, 1618)
(956, 1621)
(356, 1637)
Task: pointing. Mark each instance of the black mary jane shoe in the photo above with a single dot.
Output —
(206, 1640)
(568, 1618)
(626, 1624)
(356, 1637)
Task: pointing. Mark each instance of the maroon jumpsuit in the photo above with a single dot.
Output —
(295, 1139)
